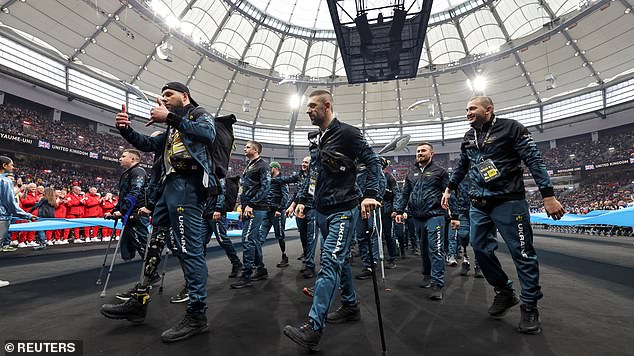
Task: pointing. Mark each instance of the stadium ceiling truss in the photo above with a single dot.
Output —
(540, 60)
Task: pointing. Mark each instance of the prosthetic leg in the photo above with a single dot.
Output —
(135, 308)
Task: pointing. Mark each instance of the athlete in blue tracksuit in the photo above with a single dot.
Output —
(215, 214)
(187, 176)
(491, 154)
(276, 202)
(421, 194)
(306, 224)
(391, 232)
(459, 205)
(334, 149)
(254, 186)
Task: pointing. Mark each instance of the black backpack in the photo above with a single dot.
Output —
(223, 145)
(231, 192)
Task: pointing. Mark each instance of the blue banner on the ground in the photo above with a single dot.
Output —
(622, 217)
(59, 224)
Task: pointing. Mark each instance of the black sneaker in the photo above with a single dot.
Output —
(132, 310)
(242, 282)
(390, 265)
(284, 262)
(529, 323)
(436, 292)
(478, 273)
(343, 314)
(181, 297)
(365, 274)
(426, 281)
(192, 324)
(504, 300)
(304, 335)
(465, 267)
(260, 275)
(309, 273)
(235, 271)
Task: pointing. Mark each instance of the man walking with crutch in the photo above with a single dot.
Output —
(131, 184)
(332, 175)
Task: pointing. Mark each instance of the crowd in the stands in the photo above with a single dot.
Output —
(31, 123)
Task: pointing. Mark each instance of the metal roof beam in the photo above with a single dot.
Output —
(520, 63)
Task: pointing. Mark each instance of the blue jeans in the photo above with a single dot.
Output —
(4, 232)
(134, 237)
(251, 243)
(452, 240)
(463, 233)
(306, 227)
(278, 227)
(362, 239)
(430, 233)
(512, 219)
(219, 229)
(180, 208)
(413, 239)
(389, 235)
(335, 271)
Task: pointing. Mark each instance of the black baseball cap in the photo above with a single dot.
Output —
(180, 87)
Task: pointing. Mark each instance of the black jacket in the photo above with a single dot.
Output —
(255, 183)
(297, 178)
(509, 143)
(278, 196)
(333, 164)
(131, 183)
(422, 191)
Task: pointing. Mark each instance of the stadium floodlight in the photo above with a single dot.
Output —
(478, 84)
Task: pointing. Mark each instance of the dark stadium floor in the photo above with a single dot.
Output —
(587, 309)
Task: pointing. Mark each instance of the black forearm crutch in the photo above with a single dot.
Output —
(368, 234)
(124, 220)
(114, 257)
(105, 257)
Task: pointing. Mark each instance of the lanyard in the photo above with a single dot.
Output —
(250, 164)
(486, 137)
(422, 169)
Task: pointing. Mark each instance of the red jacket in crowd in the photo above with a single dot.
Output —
(60, 209)
(28, 201)
(92, 208)
(75, 206)
(107, 206)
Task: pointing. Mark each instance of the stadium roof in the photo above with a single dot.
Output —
(258, 58)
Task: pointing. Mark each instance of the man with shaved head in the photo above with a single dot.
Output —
(491, 154)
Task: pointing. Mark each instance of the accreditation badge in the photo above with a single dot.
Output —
(488, 170)
(312, 183)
